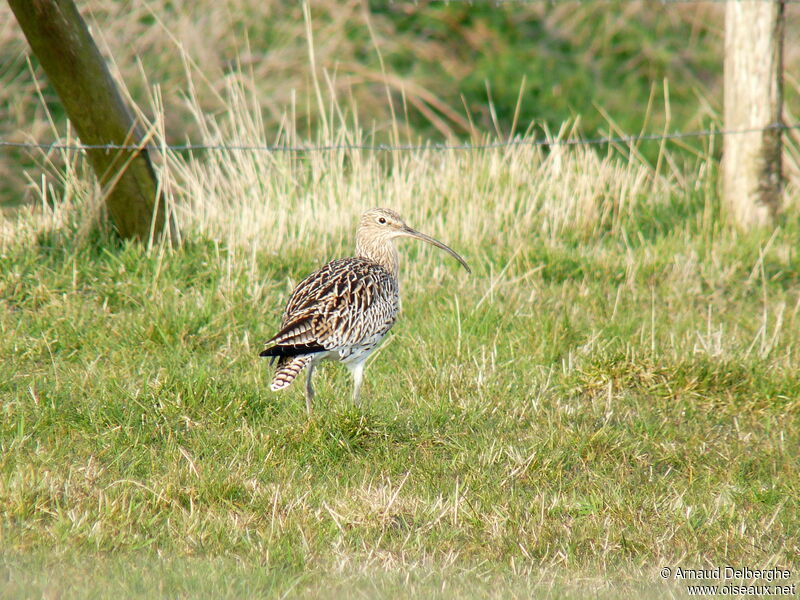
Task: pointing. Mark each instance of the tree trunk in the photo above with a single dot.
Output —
(752, 182)
(61, 41)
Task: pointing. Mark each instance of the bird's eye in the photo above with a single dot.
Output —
(382, 221)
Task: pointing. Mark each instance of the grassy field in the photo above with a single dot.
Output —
(613, 390)
(452, 70)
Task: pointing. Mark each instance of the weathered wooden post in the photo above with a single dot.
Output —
(752, 181)
(61, 41)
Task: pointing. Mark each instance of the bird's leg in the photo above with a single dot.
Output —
(309, 388)
(358, 378)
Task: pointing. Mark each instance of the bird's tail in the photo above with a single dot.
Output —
(289, 367)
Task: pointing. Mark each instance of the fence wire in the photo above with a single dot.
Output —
(429, 146)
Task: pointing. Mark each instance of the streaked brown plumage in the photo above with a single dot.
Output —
(344, 310)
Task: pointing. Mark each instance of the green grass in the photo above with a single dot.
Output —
(585, 409)
(612, 391)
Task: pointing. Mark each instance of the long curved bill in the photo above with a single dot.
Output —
(426, 238)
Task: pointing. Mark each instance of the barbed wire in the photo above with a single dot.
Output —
(430, 146)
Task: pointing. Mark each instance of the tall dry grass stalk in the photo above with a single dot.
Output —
(271, 202)
(267, 41)
(265, 201)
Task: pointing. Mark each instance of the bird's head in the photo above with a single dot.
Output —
(381, 225)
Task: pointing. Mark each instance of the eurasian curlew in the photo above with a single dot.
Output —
(343, 311)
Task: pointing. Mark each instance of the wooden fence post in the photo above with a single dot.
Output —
(61, 41)
(752, 182)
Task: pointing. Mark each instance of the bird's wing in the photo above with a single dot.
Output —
(346, 301)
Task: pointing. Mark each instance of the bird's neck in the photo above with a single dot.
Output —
(383, 252)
